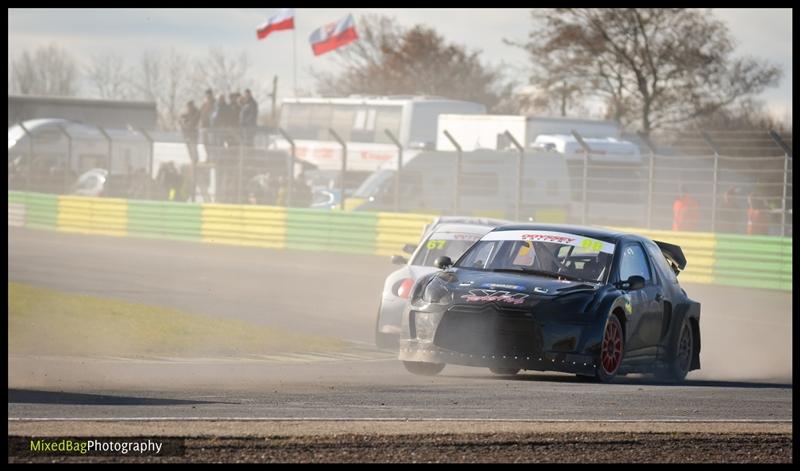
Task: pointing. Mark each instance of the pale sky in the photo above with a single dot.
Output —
(763, 33)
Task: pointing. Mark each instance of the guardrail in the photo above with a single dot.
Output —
(723, 259)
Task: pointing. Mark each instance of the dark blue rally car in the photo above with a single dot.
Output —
(580, 300)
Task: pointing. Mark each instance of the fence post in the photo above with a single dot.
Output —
(30, 157)
(457, 186)
(650, 176)
(399, 169)
(520, 159)
(344, 165)
(69, 157)
(586, 151)
(787, 154)
(785, 185)
(650, 185)
(239, 166)
(292, 158)
(715, 181)
(110, 157)
(150, 161)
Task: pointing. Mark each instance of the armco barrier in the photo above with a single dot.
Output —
(180, 221)
(16, 209)
(107, 216)
(262, 226)
(41, 211)
(749, 261)
(309, 229)
(395, 230)
(753, 261)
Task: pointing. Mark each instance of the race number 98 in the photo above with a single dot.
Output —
(593, 245)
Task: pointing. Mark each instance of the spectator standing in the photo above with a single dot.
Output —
(732, 217)
(301, 192)
(233, 102)
(249, 113)
(756, 216)
(189, 123)
(207, 109)
(685, 211)
(219, 117)
(170, 180)
(248, 116)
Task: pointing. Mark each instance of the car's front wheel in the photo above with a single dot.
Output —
(424, 368)
(612, 350)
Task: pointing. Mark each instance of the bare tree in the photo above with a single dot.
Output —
(222, 72)
(109, 76)
(389, 59)
(164, 79)
(748, 115)
(653, 67)
(47, 71)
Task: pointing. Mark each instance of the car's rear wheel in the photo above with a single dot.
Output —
(504, 371)
(612, 350)
(684, 350)
(424, 368)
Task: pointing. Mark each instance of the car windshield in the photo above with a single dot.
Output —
(450, 244)
(544, 253)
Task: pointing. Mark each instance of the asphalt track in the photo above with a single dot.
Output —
(336, 294)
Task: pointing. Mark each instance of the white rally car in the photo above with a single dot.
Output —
(450, 236)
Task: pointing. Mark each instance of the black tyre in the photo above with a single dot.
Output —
(504, 371)
(681, 361)
(423, 368)
(586, 378)
(612, 350)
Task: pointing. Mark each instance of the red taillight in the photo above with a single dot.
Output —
(404, 289)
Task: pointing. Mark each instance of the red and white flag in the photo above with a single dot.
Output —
(284, 19)
(333, 35)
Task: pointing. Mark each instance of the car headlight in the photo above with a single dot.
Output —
(436, 292)
(424, 324)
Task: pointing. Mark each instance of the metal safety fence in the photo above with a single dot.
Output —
(713, 183)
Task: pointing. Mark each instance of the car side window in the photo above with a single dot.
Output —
(660, 262)
(634, 262)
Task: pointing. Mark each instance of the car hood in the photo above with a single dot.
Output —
(511, 290)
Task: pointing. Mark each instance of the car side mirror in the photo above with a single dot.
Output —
(399, 260)
(633, 283)
(409, 248)
(443, 262)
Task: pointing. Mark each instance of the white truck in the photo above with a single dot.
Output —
(486, 131)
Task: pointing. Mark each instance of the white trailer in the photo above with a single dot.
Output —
(487, 131)
(361, 122)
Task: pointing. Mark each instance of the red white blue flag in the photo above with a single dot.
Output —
(333, 35)
(284, 19)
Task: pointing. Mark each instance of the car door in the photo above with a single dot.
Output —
(643, 326)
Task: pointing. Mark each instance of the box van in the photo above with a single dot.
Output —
(607, 149)
(488, 182)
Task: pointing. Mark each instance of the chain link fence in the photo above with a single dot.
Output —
(732, 183)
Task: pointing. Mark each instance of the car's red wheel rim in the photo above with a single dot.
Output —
(611, 355)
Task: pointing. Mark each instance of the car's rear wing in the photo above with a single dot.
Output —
(673, 254)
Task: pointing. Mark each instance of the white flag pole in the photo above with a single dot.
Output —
(294, 58)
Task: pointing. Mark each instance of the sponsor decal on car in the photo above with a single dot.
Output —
(586, 244)
(502, 286)
(490, 295)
